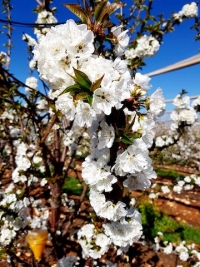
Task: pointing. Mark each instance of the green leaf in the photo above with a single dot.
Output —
(82, 79)
(72, 88)
(99, 8)
(96, 84)
(78, 11)
(74, 78)
(107, 11)
(90, 99)
(132, 137)
(126, 140)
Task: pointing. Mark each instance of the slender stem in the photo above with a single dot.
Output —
(40, 3)
(9, 33)
(56, 147)
(49, 128)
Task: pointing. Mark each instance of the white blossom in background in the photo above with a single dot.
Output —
(168, 249)
(189, 115)
(164, 140)
(44, 17)
(187, 184)
(181, 102)
(43, 182)
(30, 40)
(156, 103)
(182, 251)
(177, 189)
(42, 105)
(21, 159)
(165, 189)
(183, 113)
(189, 10)
(147, 46)
(160, 141)
(31, 82)
(6, 236)
(178, 16)
(4, 59)
(16, 220)
(10, 115)
(196, 103)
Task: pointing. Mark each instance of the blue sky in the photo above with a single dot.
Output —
(177, 46)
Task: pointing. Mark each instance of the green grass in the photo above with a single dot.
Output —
(2, 254)
(73, 186)
(169, 173)
(154, 221)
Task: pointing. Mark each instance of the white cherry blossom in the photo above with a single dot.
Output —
(106, 135)
(121, 39)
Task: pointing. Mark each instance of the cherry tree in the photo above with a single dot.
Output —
(95, 104)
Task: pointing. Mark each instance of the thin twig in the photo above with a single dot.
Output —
(40, 3)
(53, 119)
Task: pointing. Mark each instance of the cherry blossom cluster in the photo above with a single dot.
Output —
(188, 147)
(175, 147)
(184, 251)
(32, 84)
(146, 46)
(44, 17)
(12, 215)
(4, 58)
(187, 11)
(179, 141)
(14, 203)
(184, 114)
(87, 88)
(164, 140)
